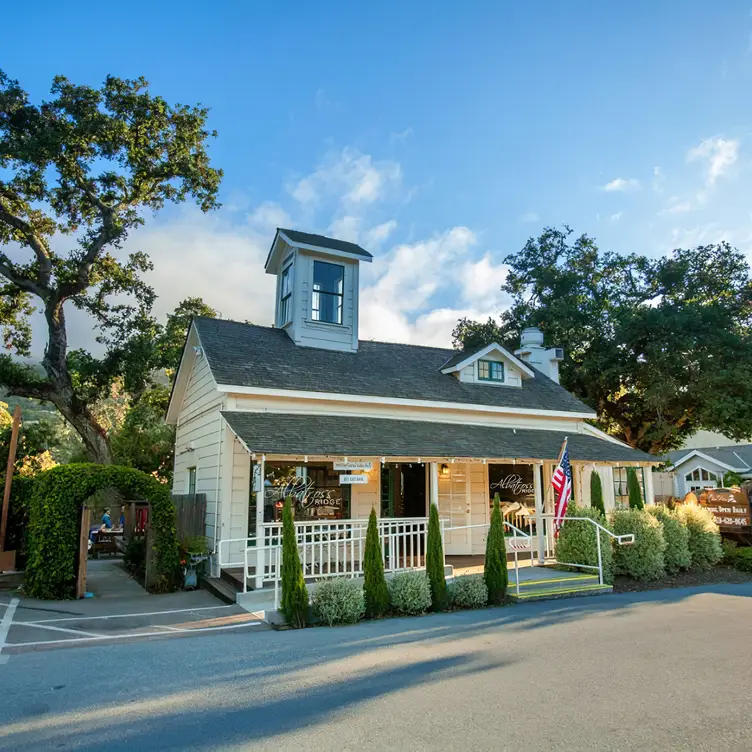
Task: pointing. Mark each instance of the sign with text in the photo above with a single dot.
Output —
(353, 480)
(357, 465)
(729, 506)
(512, 483)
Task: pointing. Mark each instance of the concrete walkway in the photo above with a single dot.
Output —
(119, 610)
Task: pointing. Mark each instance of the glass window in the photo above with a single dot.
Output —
(285, 303)
(700, 473)
(328, 292)
(621, 487)
(191, 481)
(490, 370)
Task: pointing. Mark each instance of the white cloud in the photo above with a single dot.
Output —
(400, 136)
(622, 184)
(349, 176)
(481, 281)
(677, 205)
(718, 153)
(659, 179)
(529, 218)
(617, 216)
(379, 234)
(345, 228)
(269, 216)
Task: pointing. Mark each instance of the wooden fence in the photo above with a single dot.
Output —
(190, 513)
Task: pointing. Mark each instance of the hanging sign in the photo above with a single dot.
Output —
(518, 544)
(353, 480)
(358, 465)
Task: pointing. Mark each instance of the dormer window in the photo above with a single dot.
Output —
(328, 292)
(285, 300)
(490, 370)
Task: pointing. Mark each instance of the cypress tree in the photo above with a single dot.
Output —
(596, 493)
(634, 490)
(495, 569)
(374, 584)
(294, 605)
(435, 561)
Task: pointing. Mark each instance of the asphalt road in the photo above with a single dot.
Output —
(666, 670)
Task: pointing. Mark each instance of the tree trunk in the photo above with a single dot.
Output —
(63, 395)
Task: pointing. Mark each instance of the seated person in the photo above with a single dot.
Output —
(106, 521)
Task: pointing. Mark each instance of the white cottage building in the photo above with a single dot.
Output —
(305, 408)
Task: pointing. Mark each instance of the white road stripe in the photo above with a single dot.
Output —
(5, 626)
(56, 629)
(127, 635)
(125, 616)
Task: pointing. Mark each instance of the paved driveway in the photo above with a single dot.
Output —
(665, 670)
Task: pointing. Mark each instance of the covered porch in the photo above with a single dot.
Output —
(337, 469)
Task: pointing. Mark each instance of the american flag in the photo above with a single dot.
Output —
(561, 480)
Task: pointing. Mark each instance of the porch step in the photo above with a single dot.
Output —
(566, 586)
(220, 588)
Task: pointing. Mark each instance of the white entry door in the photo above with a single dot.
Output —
(454, 507)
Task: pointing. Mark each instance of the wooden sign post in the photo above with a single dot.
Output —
(8, 558)
(83, 552)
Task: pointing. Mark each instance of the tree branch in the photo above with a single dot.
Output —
(35, 242)
(21, 280)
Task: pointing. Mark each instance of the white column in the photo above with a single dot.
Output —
(649, 491)
(433, 483)
(539, 522)
(260, 539)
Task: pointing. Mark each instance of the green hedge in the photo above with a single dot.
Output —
(676, 555)
(18, 516)
(644, 558)
(54, 522)
(577, 542)
(704, 538)
(739, 558)
(339, 601)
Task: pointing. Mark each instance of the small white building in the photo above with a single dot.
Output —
(306, 409)
(697, 468)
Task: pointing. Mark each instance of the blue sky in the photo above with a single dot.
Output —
(438, 135)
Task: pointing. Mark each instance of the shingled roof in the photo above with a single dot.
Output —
(255, 356)
(277, 433)
(322, 241)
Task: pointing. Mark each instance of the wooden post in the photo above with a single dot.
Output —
(8, 562)
(83, 552)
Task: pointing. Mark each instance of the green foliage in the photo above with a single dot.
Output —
(731, 479)
(704, 537)
(469, 591)
(89, 164)
(495, 572)
(596, 493)
(638, 333)
(374, 582)
(739, 558)
(577, 542)
(633, 489)
(16, 535)
(170, 340)
(435, 561)
(339, 601)
(134, 559)
(35, 440)
(644, 559)
(294, 603)
(676, 555)
(410, 592)
(54, 522)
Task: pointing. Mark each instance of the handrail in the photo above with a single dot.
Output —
(623, 540)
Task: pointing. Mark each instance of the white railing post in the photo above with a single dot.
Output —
(539, 523)
(245, 568)
(276, 578)
(600, 559)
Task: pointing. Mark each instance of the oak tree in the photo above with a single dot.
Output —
(78, 173)
(659, 347)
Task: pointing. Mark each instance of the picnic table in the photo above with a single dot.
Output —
(105, 541)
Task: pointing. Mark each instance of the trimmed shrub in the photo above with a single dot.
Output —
(676, 555)
(739, 558)
(410, 592)
(16, 535)
(435, 561)
(577, 542)
(634, 490)
(374, 584)
(643, 559)
(596, 493)
(704, 538)
(339, 601)
(55, 518)
(294, 602)
(468, 591)
(495, 573)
